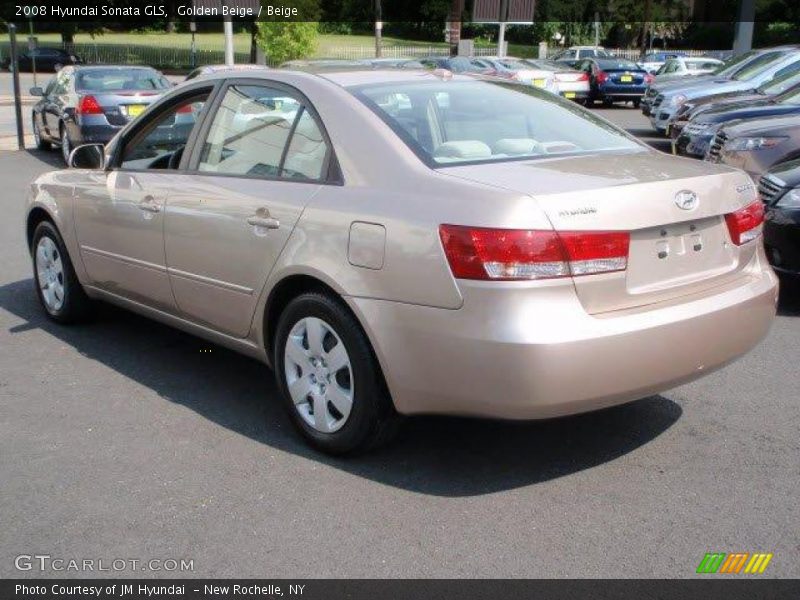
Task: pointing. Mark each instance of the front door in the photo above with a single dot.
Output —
(119, 213)
(261, 159)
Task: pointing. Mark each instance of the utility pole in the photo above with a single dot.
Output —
(645, 26)
(227, 26)
(501, 35)
(378, 28)
(596, 29)
(14, 65)
(454, 25)
(743, 36)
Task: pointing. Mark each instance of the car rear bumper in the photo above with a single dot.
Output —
(92, 134)
(519, 352)
(782, 240)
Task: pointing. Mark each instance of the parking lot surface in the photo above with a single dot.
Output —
(127, 439)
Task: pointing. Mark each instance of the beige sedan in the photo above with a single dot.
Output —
(401, 242)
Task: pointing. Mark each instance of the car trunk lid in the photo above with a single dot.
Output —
(673, 251)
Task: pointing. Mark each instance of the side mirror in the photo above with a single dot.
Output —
(88, 156)
(36, 91)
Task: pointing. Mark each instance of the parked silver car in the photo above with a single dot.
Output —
(406, 242)
(767, 66)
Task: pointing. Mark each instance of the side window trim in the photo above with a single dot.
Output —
(332, 174)
(136, 131)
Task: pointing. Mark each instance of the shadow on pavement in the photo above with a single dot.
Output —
(439, 456)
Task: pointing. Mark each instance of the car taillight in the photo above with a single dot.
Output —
(519, 254)
(186, 108)
(601, 77)
(583, 77)
(745, 224)
(649, 78)
(88, 105)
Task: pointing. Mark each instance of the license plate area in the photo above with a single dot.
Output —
(569, 94)
(133, 110)
(539, 82)
(626, 79)
(678, 254)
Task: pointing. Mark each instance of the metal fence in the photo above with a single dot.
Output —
(181, 57)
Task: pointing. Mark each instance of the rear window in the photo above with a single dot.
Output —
(456, 122)
(120, 80)
(617, 63)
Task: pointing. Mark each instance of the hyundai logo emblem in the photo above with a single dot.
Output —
(686, 200)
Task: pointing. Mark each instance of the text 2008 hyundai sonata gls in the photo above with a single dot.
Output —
(411, 242)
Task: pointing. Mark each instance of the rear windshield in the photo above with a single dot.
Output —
(617, 63)
(702, 65)
(120, 80)
(457, 122)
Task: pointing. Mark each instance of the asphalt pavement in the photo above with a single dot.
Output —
(125, 439)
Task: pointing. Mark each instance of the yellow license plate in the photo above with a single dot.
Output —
(569, 94)
(626, 79)
(539, 82)
(134, 110)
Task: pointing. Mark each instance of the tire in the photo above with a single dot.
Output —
(57, 287)
(310, 383)
(41, 144)
(637, 103)
(607, 102)
(66, 146)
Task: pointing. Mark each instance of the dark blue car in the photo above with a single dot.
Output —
(615, 79)
(696, 136)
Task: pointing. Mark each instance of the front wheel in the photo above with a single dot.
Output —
(329, 378)
(57, 286)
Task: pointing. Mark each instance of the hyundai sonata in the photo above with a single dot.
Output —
(405, 242)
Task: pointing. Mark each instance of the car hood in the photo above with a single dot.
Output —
(788, 173)
(778, 125)
(748, 111)
(723, 102)
(700, 86)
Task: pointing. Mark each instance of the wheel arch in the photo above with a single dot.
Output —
(35, 216)
(291, 287)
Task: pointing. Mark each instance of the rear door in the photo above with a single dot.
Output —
(260, 158)
(56, 101)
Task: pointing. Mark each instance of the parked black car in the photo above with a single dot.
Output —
(47, 59)
(780, 191)
(91, 104)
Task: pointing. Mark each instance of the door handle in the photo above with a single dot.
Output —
(262, 219)
(148, 204)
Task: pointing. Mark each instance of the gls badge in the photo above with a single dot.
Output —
(686, 200)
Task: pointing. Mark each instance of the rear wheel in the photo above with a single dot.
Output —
(57, 286)
(66, 147)
(41, 144)
(607, 102)
(637, 103)
(330, 381)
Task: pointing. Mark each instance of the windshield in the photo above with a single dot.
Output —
(702, 65)
(790, 97)
(756, 66)
(453, 122)
(118, 80)
(783, 80)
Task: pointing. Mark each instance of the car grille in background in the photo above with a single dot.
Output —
(716, 146)
(769, 189)
(659, 99)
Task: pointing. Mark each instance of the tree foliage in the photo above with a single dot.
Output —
(284, 40)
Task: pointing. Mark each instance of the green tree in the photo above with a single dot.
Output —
(283, 39)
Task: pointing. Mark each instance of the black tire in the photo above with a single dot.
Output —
(76, 305)
(372, 420)
(41, 143)
(637, 103)
(607, 102)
